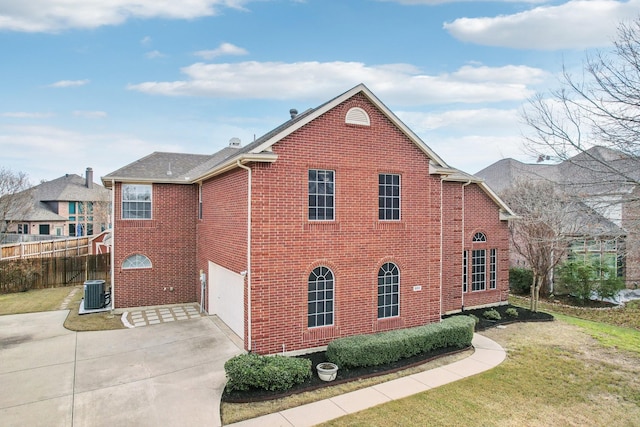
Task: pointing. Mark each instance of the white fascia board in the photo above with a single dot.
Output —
(232, 163)
(337, 101)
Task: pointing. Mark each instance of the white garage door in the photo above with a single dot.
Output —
(226, 297)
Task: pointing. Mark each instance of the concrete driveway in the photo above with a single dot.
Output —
(171, 374)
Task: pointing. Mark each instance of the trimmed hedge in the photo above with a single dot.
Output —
(274, 373)
(387, 347)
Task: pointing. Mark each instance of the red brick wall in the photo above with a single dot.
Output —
(481, 215)
(286, 246)
(167, 240)
(222, 232)
(452, 216)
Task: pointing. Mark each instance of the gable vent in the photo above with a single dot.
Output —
(357, 116)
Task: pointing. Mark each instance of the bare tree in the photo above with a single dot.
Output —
(542, 232)
(15, 199)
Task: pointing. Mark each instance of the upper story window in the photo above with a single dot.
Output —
(321, 195)
(136, 261)
(136, 201)
(388, 197)
(479, 237)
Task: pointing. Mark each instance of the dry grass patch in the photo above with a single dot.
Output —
(555, 375)
(51, 299)
(33, 301)
(90, 322)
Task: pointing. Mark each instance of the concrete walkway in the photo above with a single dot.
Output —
(488, 354)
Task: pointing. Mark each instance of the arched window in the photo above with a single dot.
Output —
(479, 237)
(136, 261)
(320, 297)
(388, 291)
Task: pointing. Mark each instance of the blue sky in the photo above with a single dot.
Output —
(101, 83)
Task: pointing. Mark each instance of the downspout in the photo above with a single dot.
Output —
(441, 238)
(248, 169)
(463, 234)
(113, 243)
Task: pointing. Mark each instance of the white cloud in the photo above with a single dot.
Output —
(90, 114)
(489, 121)
(48, 152)
(576, 24)
(436, 2)
(69, 83)
(146, 41)
(26, 115)
(400, 84)
(486, 150)
(154, 54)
(58, 15)
(223, 49)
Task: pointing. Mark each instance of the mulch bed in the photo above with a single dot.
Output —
(346, 375)
(524, 315)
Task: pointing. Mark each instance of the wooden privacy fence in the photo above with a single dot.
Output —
(37, 273)
(70, 247)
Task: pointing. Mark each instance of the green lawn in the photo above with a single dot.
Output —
(575, 371)
(555, 375)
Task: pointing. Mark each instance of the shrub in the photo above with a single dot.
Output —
(583, 280)
(248, 371)
(520, 280)
(387, 347)
(577, 278)
(492, 314)
(511, 312)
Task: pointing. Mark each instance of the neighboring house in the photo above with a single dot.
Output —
(602, 184)
(339, 222)
(64, 207)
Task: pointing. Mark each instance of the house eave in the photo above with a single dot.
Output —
(232, 163)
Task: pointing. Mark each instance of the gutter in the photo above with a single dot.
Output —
(248, 169)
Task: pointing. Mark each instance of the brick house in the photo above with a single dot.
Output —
(68, 206)
(601, 184)
(341, 221)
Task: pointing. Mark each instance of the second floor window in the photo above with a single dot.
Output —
(136, 201)
(321, 195)
(388, 197)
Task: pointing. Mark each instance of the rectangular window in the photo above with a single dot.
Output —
(136, 201)
(478, 269)
(72, 208)
(388, 197)
(321, 195)
(465, 270)
(72, 230)
(493, 265)
(44, 229)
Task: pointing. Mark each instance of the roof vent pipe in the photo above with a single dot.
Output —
(293, 113)
(89, 175)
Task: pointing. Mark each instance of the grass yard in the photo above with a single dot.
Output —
(556, 374)
(51, 299)
(33, 301)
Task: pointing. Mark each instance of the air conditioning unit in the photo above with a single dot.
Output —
(94, 294)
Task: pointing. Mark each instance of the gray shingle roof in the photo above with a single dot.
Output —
(70, 187)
